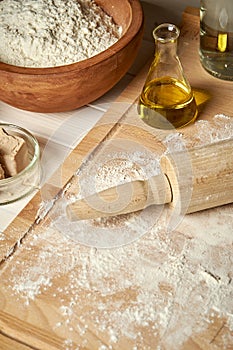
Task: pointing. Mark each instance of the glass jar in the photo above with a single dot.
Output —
(167, 100)
(216, 37)
(27, 180)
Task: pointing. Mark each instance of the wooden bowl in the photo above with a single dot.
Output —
(69, 87)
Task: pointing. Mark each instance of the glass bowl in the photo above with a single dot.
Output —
(27, 180)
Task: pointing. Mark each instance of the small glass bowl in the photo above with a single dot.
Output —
(26, 181)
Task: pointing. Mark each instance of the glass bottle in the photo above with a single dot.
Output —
(166, 100)
(216, 37)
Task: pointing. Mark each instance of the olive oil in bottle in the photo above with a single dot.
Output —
(166, 100)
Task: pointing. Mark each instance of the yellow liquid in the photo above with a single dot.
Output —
(222, 42)
(166, 103)
(216, 53)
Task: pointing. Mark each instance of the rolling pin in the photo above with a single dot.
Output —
(193, 180)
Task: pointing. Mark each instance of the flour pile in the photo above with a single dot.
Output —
(52, 33)
(164, 291)
(153, 294)
(156, 293)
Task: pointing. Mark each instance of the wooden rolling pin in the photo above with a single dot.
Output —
(193, 180)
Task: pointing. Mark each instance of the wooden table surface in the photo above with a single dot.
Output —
(163, 289)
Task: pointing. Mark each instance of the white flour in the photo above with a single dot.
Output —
(152, 294)
(166, 286)
(220, 128)
(51, 33)
(110, 169)
(2, 236)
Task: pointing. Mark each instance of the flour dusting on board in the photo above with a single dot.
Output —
(110, 169)
(204, 132)
(160, 287)
(154, 293)
(220, 128)
(2, 236)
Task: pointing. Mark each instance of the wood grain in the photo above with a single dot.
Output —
(124, 199)
(9, 344)
(207, 171)
(23, 331)
(24, 222)
(44, 300)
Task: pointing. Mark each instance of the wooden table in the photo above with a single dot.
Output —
(169, 289)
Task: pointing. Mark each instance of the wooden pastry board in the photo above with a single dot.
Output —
(39, 310)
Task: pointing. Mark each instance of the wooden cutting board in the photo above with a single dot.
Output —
(159, 292)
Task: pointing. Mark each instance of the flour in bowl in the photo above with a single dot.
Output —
(53, 33)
